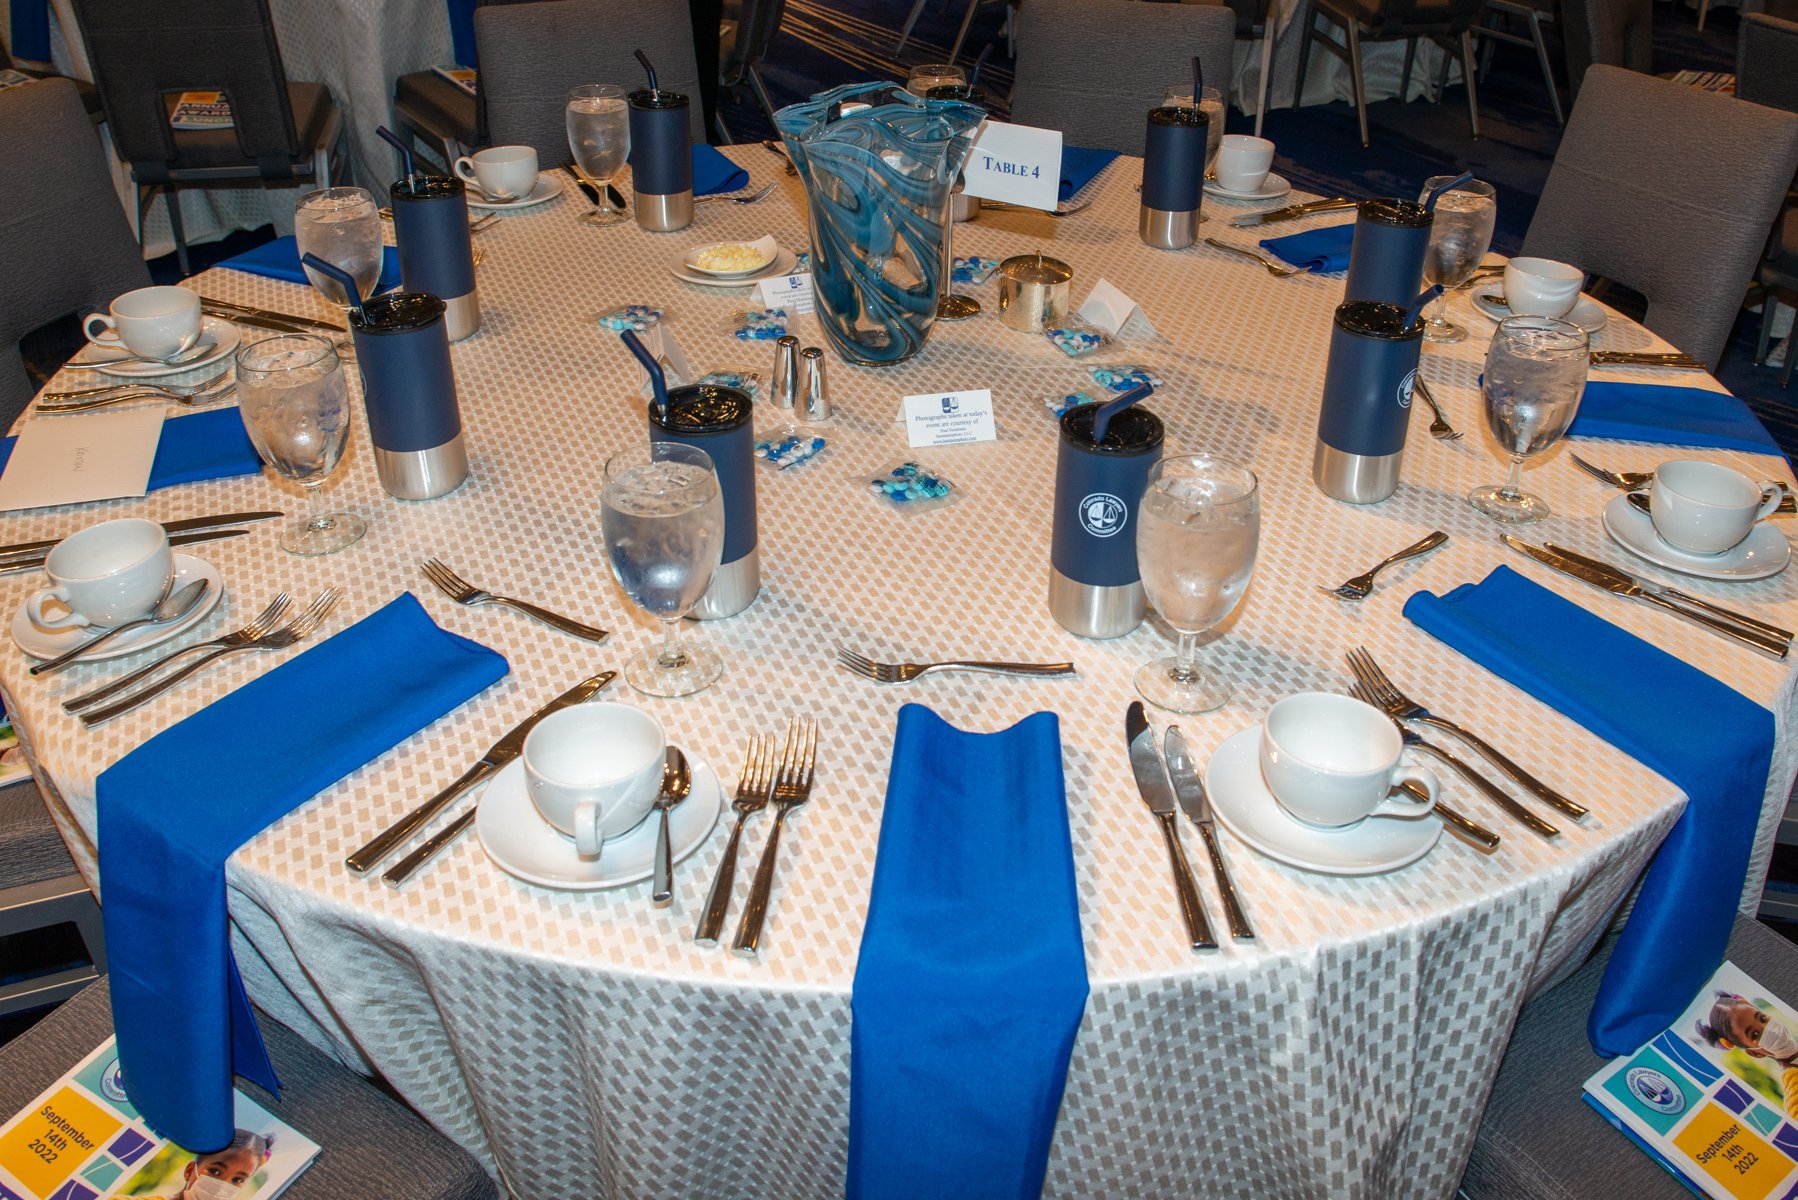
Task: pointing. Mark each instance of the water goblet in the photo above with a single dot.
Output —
(1535, 375)
(662, 516)
(1211, 103)
(341, 226)
(1460, 235)
(925, 76)
(1197, 530)
(296, 409)
(599, 135)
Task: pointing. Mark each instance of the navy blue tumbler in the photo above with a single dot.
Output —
(430, 226)
(409, 391)
(1386, 261)
(661, 160)
(1173, 177)
(1095, 590)
(717, 420)
(1367, 401)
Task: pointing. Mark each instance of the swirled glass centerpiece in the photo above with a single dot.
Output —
(878, 164)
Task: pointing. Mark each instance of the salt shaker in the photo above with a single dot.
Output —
(786, 371)
(816, 410)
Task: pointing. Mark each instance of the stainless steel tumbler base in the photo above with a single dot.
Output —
(422, 474)
(663, 214)
(462, 316)
(1168, 230)
(734, 588)
(1355, 478)
(1090, 611)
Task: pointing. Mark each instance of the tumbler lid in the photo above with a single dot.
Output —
(397, 312)
(1133, 431)
(427, 187)
(957, 91)
(645, 98)
(1376, 319)
(1387, 210)
(704, 408)
(1180, 114)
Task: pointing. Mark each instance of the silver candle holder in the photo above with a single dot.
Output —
(1033, 292)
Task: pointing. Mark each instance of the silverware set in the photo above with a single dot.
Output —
(885, 672)
(265, 622)
(1631, 481)
(201, 395)
(1277, 270)
(780, 777)
(465, 593)
(1361, 586)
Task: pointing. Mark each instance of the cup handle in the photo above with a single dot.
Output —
(34, 608)
(588, 840)
(109, 335)
(1400, 804)
(464, 169)
(1771, 494)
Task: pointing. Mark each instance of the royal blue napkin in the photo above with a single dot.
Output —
(461, 23)
(208, 445)
(1324, 251)
(1715, 744)
(174, 809)
(713, 173)
(280, 259)
(1078, 166)
(1674, 416)
(972, 976)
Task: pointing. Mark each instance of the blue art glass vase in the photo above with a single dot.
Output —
(878, 165)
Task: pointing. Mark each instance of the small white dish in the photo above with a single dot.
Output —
(1764, 552)
(1272, 188)
(522, 844)
(766, 250)
(1586, 312)
(1240, 798)
(223, 335)
(43, 643)
(783, 264)
(548, 186)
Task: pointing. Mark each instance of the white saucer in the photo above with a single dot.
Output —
(43, 643)
(1272, 188)
(223, 335)
(1586, 312)
(1242, 802)
(522, 843)
(765, 246)
(1765, 551)
(783, 264)
(547, 186)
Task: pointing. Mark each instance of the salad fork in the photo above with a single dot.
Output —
(1275, 269)
(749, 199)
(792, 788)
(753, 786)
(217, 389)
(884, 672)
(264, 621)
(1361, 585)
(464, 592)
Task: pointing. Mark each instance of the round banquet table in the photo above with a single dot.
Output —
(582, 1045)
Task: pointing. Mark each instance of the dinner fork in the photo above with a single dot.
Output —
(749, 199)
(775, 149)
(1387, 696)
(280, 639)
(1273, 268)
(217, 389)
(1440, 429)
(264, 621)
(1361, 585)
(464, 592)
(883, 672)
(792, 788)
(753, 786)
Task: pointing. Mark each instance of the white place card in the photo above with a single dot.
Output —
(1111, 310)
(1016, 164)
(949, 418)
(791, 292)
(71, 460)
(667, 352)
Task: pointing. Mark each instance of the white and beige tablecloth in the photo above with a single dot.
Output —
(583, 1046)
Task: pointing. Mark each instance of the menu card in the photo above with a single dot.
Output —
(72, 460)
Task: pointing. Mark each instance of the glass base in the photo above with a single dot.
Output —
(1513, 508)
(1163, 684)
(1443, 332)
(698, 669)
(956, 308)
(613, 216)
(324, 534)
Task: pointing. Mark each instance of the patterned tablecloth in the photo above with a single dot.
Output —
(584, 1046)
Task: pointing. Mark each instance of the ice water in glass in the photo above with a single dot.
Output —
(1211, 102)
(341, 226)
(1534, 378)
(599, 137)
(295, 406)
(1460, 235)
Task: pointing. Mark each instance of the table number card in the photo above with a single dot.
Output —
(949, 418)
(1016, 164)
(71, 460)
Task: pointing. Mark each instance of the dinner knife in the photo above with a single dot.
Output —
(588, 189)
(1152, 782)
(276, 324)
(31, 562)
(1675, 594)
(1195, 801)
(1608, 578)
(226, 309)
(498, 755)
(1291, 212)
(181, 526)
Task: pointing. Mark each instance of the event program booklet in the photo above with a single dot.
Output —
(82, 1140)
(1709, 1104)
(201, 110)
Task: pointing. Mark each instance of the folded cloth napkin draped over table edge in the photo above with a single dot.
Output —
(1713, 743)
(280, 259)
(1671, 415)
(1078, 166)
(1320, 250)
(209, 445)
(714, 173)
(972, 976)
(173, 810)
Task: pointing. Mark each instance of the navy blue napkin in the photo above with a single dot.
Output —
(280, 259)
(174, 809)
(461, 23)
(1715, 744)
(1078, 166)
(1324, 251)
(713, 173)
(1670, 415)
(208, 445)
(972, 976)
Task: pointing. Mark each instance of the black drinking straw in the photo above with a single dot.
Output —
(657, 379)
(405, 152)
(1111, 408)
(1198, 81)
(340, 275)
(1429, 204)
(650, 70)
(1417, 305)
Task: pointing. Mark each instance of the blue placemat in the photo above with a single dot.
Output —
(208, 445)
(280, 259)
(1324, 251)
(1671, 415)
(1079, 164)
(714, 173)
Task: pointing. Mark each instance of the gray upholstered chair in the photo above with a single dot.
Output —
(372, 1145)
(1533, 14)
(1785, 10)
(1539, 1139)
(1767, 61)
(1617, 33)
(40, 889)
(1252, 17)
(1449, 23)
(65, 241)
(1061, 44)
(1670, 191)
(531, 54)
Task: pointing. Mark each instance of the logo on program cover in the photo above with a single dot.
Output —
(1655, 1090)
(1405, 387)
(1103, 514)
(112, 1083)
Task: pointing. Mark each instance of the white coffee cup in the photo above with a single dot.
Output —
(1243, 162)
(1706, 508)
(502, 172)
(1332, 761)
(594, 771)
(1541, 287)
(105, 575)
(155, 322)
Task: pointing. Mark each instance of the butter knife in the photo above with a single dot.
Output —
(226, 308)
(1196, 803)
(32, 561)
(1152, 782)
(1291, 212)
(498, 755)
(181, 526)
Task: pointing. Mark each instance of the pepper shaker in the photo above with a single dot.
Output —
(786, 371)
(817, 388)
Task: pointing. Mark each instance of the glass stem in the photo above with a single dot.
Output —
(315, 516)
(1514, 480)
(1440, 316)
(671, 657)
(1186, 658)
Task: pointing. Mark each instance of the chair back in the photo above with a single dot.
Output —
(65, 240)
(1442, 18)
(1767, 61)
(1618, 33)
(1068, 51)
(531, 54)
(1671, 191)
(757, 23)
